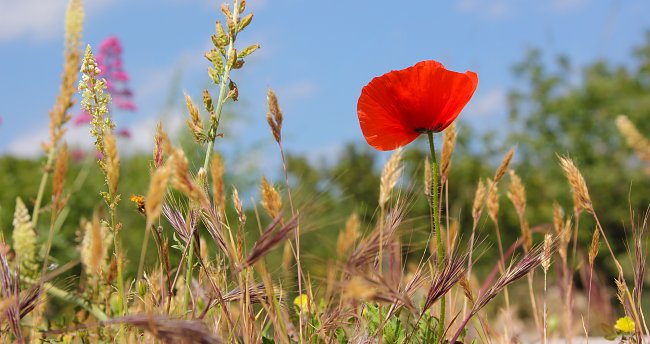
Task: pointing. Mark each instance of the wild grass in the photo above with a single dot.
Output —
(222, 289)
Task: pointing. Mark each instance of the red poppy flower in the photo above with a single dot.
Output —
(398, 106)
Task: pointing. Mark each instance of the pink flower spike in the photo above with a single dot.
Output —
(78, 155)
(120, 75)
(82, 118)
(124, 132)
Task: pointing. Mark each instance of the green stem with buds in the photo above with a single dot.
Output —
(222, 89)
(212, 134)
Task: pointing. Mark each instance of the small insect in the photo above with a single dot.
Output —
(139, 201)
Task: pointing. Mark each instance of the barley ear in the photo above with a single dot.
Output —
(503, 167)
(271, 200)
(593, 248)
(216, 173)
(448, 144)
(349, 235)
(492, 200)
(156, 193)
(389, 176)
(581, 199)
(634, 139)
(274, 115)
(479, 199)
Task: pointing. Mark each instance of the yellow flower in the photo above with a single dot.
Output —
(139, 201)
(302, 303)
(624, 325)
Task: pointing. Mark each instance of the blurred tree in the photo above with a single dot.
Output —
(569, 111)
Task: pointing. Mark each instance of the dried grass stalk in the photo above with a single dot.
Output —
(168, 329)
(444, 279)
(593, 248)
(269, 239)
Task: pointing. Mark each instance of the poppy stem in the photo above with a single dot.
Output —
(435, 208)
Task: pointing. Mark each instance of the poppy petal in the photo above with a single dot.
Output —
(396, 107)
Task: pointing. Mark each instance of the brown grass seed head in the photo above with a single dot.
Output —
(274, 115)
(581, 199)
(271, 200)
(504, 165)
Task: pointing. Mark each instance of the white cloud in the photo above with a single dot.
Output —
(493, 9)
(36, 19)
(142, 134)
(297, 90)
(490, 103)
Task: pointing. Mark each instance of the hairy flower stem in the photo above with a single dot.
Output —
(435, 176)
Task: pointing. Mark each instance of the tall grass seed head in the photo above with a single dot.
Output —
(633, 138)
(24, 238)
(349, 235)
(271, 200)
(389, 176)
(504, 165)
(492, 199)
(448, 143)
(593, 248)
(216, 173)
(94, 246)
(156, 193)
(274, 115)
(581, 199)
(479, 199)
(74, 20)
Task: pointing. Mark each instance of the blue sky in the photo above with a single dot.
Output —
(316, 55)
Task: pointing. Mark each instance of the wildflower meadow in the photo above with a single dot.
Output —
(534, 234)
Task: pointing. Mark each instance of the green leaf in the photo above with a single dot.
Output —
(248, 50)
(245, 21)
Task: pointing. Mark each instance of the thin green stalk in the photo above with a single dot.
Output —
(66, 296)
(188, 273)
(41, 187)
(436, 226)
